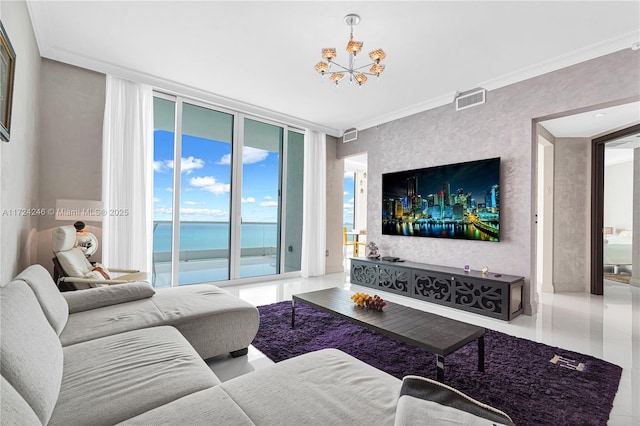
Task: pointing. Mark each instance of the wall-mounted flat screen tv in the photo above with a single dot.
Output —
(451, 201)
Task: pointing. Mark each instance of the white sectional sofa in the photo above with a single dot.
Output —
(135, 356)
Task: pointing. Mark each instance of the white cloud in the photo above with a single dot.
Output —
(226, 159)
(346, 193)
(269, 204)
(163, 210)
(169, 189)
(249, 156)
(209, 183)
(268, 197)
(348, 205)
(204, 212)
(352, 200)
(249, 200)
(187, 165)
(156, 199)
(191, 203)
(348, 175)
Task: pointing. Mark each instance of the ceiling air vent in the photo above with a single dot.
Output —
(470, 99)
(350, 136)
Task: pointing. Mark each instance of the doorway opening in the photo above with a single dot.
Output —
(355, 206)
(571, 230)
(612, 199)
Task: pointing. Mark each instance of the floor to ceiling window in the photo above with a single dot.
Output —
(259, 233)
(219, 212)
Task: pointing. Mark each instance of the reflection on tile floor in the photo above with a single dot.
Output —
(606, 327)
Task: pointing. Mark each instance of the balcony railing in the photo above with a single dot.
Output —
(204, 254)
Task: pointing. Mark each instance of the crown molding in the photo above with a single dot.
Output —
(38, 14)
(606, 47)
(174, 87)
(41, 30)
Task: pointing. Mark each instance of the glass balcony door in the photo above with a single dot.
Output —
(291, 215)
(231, 206)
(261, 198)
(192, 197)
(205, 195)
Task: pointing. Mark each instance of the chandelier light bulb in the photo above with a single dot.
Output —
(377, 55)
(355, 72)
(329, 54)
(322, 67)
(354, 47)
(336, 77)
(377, 69)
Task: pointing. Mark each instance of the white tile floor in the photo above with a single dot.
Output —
(606, 327)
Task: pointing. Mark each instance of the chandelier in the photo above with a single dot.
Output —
(356, 73)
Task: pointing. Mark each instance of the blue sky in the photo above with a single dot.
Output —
(206, 180)
(348, 199)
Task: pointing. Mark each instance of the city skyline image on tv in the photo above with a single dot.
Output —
(451, 201)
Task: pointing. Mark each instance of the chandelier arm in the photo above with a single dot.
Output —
(353, 70)
(364, 66)
(343, 67)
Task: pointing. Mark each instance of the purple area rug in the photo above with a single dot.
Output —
(518, 378)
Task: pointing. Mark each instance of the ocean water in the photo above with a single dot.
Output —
(213, 235)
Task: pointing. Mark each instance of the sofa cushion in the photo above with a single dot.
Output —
(51, 301)
(94, 298)
(109, 320)
(211, 319)
(422, 398)
(114, 378)
(30, 352)
(326, 387)
(14, 410)
(210, 406)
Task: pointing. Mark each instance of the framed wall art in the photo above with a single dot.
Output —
(7, 71)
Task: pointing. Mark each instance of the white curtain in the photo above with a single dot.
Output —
(314, 206)
(127, 155)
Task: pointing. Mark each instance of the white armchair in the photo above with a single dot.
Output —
(74, 268)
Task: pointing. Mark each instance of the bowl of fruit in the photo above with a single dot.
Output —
(363, 299)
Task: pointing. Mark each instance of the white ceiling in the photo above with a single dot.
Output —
(594, 123)
(259, 56)
(599, 122)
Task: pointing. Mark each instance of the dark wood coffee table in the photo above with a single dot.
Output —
(439, 335)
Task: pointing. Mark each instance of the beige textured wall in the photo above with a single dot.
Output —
(572, 214)
(501, 127)
(71, 150)
(335, 189)
(19, 158)
(544, 227)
